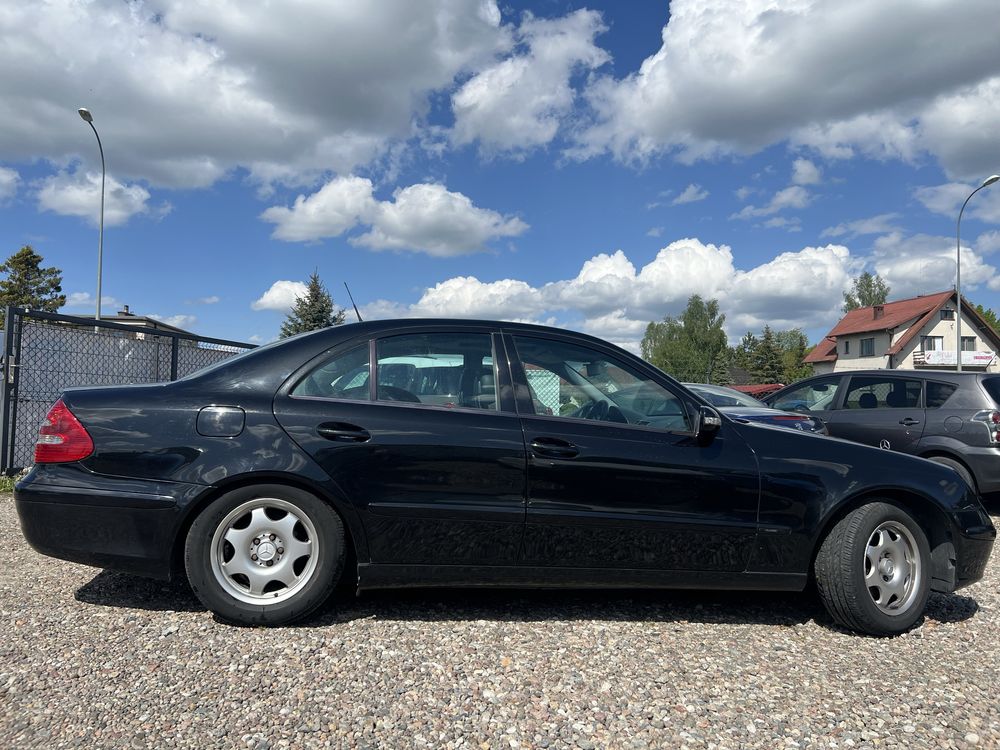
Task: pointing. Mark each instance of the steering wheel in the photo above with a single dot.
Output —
(599, 411)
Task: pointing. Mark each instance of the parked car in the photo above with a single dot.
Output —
(557, 460)
(951, 418)
(737, 405)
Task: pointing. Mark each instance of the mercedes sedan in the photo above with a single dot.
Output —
(473, 453)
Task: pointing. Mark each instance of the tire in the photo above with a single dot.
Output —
(959, 468)
(872, 570)
(265, 555)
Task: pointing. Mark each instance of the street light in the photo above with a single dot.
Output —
(958, 270)
(89, 119)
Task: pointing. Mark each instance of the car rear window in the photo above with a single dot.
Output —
(939, 393)
(992, 386)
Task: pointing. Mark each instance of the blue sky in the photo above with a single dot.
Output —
(589, 165)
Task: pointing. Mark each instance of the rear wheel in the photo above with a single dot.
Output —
(265, 555)
(871, 570)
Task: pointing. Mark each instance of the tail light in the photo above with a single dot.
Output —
(61, 437)
(992, 420)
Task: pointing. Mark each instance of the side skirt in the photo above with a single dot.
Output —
(383, 576)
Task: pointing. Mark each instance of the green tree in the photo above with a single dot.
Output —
(794, 346)
(866, 290)
(28, 284)
(689, 345)
(766, 364)
(989, 316)
(744, 351)
(312, 311)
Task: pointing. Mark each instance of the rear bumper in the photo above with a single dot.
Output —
(129, 531)
(972, 553)
(985, 466)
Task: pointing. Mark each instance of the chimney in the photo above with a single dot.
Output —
(878, 311)
(125, 313)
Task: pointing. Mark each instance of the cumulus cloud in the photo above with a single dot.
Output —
(947, 200)
(177, 321)
(211, 300)
(237, 84)
(77, 300)
(692, 194)
(426, 217)
(881, 224)
(889, 79)
(281, 296)
(921, 264)
(804, 172)
(9, 179)
(521, 101)
(79, 194)
(611, 298)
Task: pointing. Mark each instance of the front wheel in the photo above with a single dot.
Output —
(872, 570)
(265, 555)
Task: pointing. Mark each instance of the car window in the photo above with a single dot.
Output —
(817, 395)
(877, 392)
(992, 386)
(938, 393)
(439, 369)
(567, 380)
(343, 375)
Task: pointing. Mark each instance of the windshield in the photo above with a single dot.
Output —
(719, 395)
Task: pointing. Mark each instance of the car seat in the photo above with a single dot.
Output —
(868, 401)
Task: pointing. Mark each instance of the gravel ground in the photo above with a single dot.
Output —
(97, 659)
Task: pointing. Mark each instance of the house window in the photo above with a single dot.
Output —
(947, 314)
(931, 343)
(868, 347)
(968, 343)
(847, 347)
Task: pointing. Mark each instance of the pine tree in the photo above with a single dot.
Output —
(312, 311)
(29, 285)
(766, 364)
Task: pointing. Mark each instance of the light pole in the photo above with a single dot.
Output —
(89, 119)
(958, 269)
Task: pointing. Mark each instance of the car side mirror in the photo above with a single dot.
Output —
(709, 423)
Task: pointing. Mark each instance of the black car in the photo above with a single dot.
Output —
(948, 417)
(739, 405)
(474, 453)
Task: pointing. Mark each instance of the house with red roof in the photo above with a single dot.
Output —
(915, 333)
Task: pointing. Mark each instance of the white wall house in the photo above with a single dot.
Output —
(915, 333)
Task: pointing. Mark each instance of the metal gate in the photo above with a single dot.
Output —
(45, 353)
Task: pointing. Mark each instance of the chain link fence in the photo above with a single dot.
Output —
(45, 353)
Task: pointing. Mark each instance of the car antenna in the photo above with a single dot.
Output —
(352, 301)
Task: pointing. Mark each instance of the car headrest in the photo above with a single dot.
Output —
(868, 401)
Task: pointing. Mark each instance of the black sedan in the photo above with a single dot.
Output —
(474, 453)
(740, 406)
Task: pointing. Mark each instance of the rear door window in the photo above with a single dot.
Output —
(877, 392)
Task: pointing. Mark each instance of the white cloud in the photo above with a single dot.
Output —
(947, 200)
(804, 172)
(177, 321)
(655, 232)
(280, 296)
(793, 224)
(881, 224)
(9, 179)
(610, 298)
(425, 217)
(520, 102)
(236, 84)
(212, 300)
(79, 194)
(891, 79)
(692, 194)
(922, 264)
(332, 210)
(75, 300)
(793, 196)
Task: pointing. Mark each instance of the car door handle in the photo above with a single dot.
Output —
(344, 432)
(554, 448)
(909, 421)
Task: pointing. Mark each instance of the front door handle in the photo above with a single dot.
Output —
(909, 421)
(344, 432)
(554, 448)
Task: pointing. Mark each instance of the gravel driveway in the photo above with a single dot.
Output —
(100, 659)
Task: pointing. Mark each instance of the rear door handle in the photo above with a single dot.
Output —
(554, 448)
(909, 421)
(344, 432)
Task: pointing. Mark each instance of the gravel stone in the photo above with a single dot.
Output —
(92, 658)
